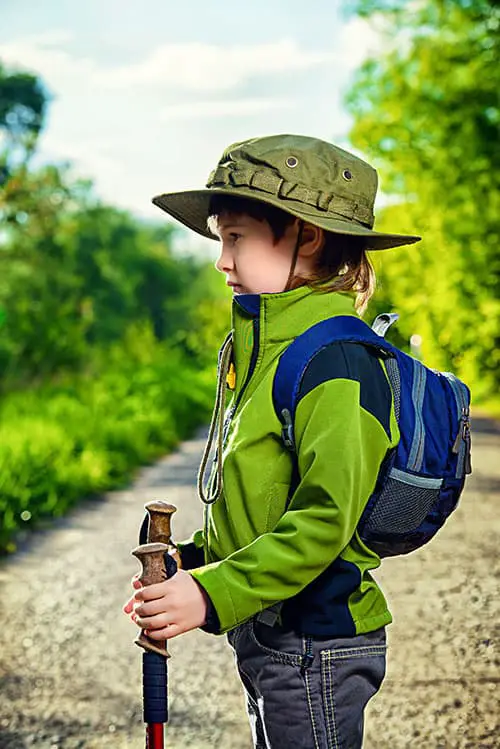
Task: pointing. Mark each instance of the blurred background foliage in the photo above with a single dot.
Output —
(427, 113)
(108, 337)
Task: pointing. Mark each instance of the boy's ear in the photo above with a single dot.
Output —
(313, 239)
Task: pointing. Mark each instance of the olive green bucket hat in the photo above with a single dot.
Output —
(313, 180)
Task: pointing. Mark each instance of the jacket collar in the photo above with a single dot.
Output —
(285, 315)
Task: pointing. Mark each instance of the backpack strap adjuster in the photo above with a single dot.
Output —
(383, 322)
(287, 430)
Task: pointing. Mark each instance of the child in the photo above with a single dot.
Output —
(279, 565)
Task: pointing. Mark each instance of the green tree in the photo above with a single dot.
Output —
(23, 102)
(428, 113)
(75, 273)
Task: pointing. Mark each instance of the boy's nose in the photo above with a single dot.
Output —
(224, 262)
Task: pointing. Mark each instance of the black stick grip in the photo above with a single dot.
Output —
(154, 688)
(144, 530)
(170, 564)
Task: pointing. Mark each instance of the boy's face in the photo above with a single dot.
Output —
(253, 262)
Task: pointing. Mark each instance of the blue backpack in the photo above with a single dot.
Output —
(421, 479)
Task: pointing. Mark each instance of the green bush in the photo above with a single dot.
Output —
(62, 442)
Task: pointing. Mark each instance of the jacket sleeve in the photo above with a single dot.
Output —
(341, 444)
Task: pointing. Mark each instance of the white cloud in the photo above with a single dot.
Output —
(189, 67)
(89, 157)
(42, 54)
(213, 67)
(222, 108)
(49, 38)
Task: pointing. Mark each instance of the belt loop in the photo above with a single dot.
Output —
(308, 656)
(271, 615)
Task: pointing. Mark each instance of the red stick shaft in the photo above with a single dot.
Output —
(154, 736)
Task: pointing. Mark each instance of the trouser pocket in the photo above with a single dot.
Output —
(350, 676)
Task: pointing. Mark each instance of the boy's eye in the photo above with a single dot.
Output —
(234, 236)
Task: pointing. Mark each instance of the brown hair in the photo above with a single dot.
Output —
(343, 264)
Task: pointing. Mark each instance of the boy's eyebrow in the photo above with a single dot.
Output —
(223, 226)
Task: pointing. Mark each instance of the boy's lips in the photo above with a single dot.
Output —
(233, 285)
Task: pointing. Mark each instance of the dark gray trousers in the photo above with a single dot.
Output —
(307, 693)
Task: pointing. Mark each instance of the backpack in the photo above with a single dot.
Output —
(421, 479)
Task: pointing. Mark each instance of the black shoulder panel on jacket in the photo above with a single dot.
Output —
(352, 361)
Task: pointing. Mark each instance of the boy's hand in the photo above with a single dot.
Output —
(168, 609)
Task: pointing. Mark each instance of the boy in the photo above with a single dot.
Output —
(279, 565)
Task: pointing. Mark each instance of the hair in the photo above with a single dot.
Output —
(342, 263)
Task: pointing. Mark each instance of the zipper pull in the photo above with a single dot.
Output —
(463, 436)
(468, 463)
(231, 377)
(463, 426)
(467, 440)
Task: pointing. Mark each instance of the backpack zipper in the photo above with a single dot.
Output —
(462, 444)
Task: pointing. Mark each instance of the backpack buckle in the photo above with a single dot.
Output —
(383, 322)
(287, 430)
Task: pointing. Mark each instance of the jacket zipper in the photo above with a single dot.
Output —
(253, 360)
(229, 416)
(251, 366)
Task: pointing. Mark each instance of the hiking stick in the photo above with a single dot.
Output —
(157, 565)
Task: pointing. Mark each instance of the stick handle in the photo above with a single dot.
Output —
(152, 558)
(160, 521)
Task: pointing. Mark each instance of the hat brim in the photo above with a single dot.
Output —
(191, 208)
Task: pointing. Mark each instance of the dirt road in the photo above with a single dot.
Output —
(70, 675)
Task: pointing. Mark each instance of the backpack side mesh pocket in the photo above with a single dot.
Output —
(425, 475)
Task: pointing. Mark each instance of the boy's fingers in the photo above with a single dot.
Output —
(129, 606)
(150, 592)
(149, 608)
(166, 633)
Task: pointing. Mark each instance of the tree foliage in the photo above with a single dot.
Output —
(427, 112)
(75, 273)
(106, 334)
(23, 103)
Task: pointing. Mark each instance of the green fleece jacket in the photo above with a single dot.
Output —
(261, 547)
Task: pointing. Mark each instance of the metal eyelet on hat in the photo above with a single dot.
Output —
(292, 162)
(347, 174)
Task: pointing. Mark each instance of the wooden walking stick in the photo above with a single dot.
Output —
(157, 565)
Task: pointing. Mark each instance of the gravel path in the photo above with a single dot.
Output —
(70, 677)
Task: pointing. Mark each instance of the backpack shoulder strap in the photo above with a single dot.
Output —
(295, 359)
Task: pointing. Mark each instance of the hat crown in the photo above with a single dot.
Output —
(310, 179)
(307, 161)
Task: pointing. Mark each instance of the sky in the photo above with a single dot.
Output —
(146, 96)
